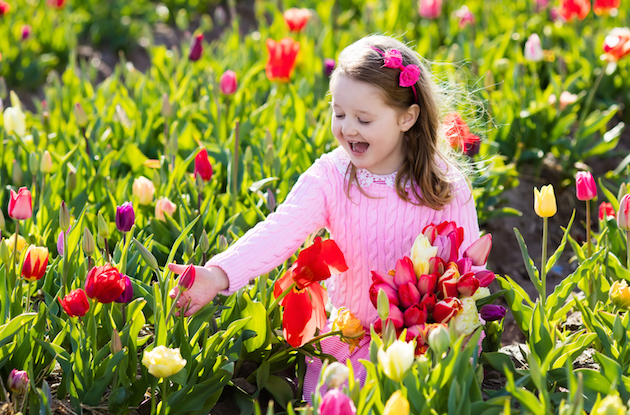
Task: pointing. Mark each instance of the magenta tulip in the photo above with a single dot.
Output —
(427, 283)
(187, 279)
(416, 314)
(405, 272)
(485, 277)
(479, 250)
(227, 83)
(196, 48)
(585, 186)
(392, 294)
(336, 402)
(127, 294)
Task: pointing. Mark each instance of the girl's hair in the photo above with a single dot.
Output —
(424, 143)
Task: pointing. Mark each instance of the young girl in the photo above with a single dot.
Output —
(375, 193)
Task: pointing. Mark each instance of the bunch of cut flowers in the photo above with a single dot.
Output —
(435, 286)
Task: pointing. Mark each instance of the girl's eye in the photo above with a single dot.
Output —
(339, 116)
(363, 122)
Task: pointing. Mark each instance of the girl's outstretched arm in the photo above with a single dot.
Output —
(208, 282)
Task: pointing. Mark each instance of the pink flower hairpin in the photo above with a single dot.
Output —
(408, 74)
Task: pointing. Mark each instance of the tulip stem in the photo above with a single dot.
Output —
(28, 296)
(313, 340)
(543, 265)
(64, 272)
(170, 311)
(235, 169)
(15, 244)
(628, 250)
(589, 246)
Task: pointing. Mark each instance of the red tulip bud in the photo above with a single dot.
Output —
(446, 309)
(404, 272)
(606, 210)
(187, 279)
(585, 186)
(467, 285)
(416, 314)
(408, 295)
(391, 293)
(196, 48)
(427, 283)
(203, 167)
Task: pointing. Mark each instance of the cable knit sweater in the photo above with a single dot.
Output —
(372, 232)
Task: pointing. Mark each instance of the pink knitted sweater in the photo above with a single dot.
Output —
(371, 232)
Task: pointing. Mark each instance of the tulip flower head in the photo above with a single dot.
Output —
(57, 4)
(623, 216)
(227, 83)
(585, 186)
(281, 60)
(616, 44)
(162, 206)
(296, 19)
(335, 375)
(352, 331)
(329, 66)
(610, 405)
(104, 283)
(35, 263)
(127, 294)
(620, 294)
(605, 6)
(545, 202)
(4, 7)
(20, 204)
(479, 250)
(492, 312)
(75, 303)
(18, 381)
(464, 16)
(125, 217)
(187, 279)
(459, 136)
(163, 362)
(397, 359)
(21, 243)
(570, 9)
(26, 32)
(203, 167)
(606, 211)
(397, 404)
(533, 49)
(196, 48)
(430, 9)
(335, 402)
(144, 190)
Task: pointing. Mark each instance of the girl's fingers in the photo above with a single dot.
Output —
(176, 268)
(173, 292)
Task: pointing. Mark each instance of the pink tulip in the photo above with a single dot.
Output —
(541, 4)
(479, 250)
(427, 283)
(429, 301)
(336, 402)
(408, 295)
(228, 83)
(26, 32)
(624, 213)
(485, 277)
(446, 309)
(396, 317)
(464, 265)
(465, 16)
(384, 278)
(585, 186)
(162, 206)
(392, 294)
(20, 204)
(416, 314)
(533, 49)
(187, 279)
(196, 48)
(430, 9)
(467, 285)
(404, 272)
(437, 265)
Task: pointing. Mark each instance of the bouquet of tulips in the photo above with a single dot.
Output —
(435, 286)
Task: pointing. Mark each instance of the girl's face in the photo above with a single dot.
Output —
(369, 130)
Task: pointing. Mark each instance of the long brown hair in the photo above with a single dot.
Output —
(424, 141)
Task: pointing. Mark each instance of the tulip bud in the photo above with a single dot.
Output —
(439, 340)
(620, 294)
(187, 279)
(545, 202)
(79, 115)
(5, 254)
(64, 216)
(585, 186)
(533, 49)
(2, 222)
(146, 255)
(17, 177)
(397, 359)
(89, 247)
(335, 402)
(116, 344)
(228, 83)
(223, 243)
(33, 162)
(103, 227)
(335, 375)
(271, 200)
(125, 217)
(167, 108)
(100, 241)
(329, 66)
(383, 305)
(71, 180)
(196, 48)
(204, 243)
(26, 32)
(20, 204)
(203, 168)
(144, 190)
(162, 206)
(624, 213)
(397, 404)
(46, 163)
(492, 312)
(606, 211)
(18, 381)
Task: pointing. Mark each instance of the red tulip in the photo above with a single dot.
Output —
(427, 283)
(606, 210)
(446, 309)
(35, 262)
(203, 167)
(479, 250)
(459, 136)
(75, 303)
(196, 48)
(392, 294)
(404, 272)
(585, 186)
(429, 301)
(187, 279)
(437, 265)
(304, 306)
(617, 44)
(296, 18)
(105, 283)
(281, 61)
(227, 83)
(574, 8)
(485, 277)
(605, 6)
(57, 4)
(467, 285)
(416, 314)
(464, 265)
(396, 317)
(408, 295)
(20, 204)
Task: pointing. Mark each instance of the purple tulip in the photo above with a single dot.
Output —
(125, 217)
(127, 294)
(492, 312)
(196, 49)
(329, 66)
(26, 31)
(18, 381)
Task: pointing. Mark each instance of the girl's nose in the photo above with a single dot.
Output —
(348, 129)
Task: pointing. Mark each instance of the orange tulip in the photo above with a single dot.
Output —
(574, 8)
(605, 6)
(281, 61)
(35, 262)
(352, 331)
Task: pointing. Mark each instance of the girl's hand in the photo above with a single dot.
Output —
(208, 283)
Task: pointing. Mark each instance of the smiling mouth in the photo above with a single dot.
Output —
(358, 146)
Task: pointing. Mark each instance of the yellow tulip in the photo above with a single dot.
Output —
(352, 331)
(620, 294)
(21, 243)
(163, 362)
(421, 252)
(545, 201)
(396, 405)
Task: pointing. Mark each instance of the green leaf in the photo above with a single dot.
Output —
(532, 271)
(540, 340)
(179, 377)
(280, 390)
(515, 295)
(94, 395)
(8, 330)
(556, 255)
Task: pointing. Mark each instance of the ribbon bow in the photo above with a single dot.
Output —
(408, 74)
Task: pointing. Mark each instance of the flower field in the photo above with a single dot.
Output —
(109, 177)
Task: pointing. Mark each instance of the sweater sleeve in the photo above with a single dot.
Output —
(462, 210)
(272, 241)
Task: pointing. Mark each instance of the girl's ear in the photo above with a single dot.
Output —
(409, 118)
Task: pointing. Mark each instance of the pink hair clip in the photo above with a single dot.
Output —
(408, 74)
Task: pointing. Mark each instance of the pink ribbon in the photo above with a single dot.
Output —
(408, 74)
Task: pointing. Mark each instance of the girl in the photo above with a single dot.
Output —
(375, 193)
